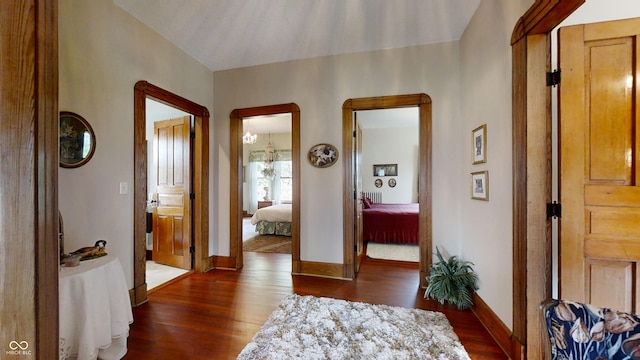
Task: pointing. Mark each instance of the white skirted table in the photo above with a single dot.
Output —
(95, 310)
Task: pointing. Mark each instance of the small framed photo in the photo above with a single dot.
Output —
(479, 144)
(480, 185)
(392, 182)
(385, 170)
(378, 183)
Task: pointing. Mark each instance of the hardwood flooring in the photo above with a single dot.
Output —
(215, 314)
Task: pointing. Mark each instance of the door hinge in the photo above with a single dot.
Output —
(192, 196)
(355, 196)
(355, 134)
(554, 210)
(192, 134)
(192, 249)
(553, 78)
(355, 248)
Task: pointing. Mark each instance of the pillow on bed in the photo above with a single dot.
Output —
(366, 202)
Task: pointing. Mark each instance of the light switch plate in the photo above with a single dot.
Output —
(124, 188)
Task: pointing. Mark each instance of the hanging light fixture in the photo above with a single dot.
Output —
(269, 153)
(249, 138)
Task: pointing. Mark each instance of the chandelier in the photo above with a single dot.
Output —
(269, 153)
(248, 138)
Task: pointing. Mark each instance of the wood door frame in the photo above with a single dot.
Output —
(235, 231)
(531, 145)
(29, 120)
(200, 176)
(423, 102)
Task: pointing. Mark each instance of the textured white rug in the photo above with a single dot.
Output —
(400, 252)
(307, 327)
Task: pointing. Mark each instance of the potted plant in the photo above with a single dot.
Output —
(452, 280)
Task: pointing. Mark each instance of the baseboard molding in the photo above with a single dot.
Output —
(496, 328)
(320, 269)
(220, 262)
(138, 295)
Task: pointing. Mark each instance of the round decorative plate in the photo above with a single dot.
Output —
(323, 155)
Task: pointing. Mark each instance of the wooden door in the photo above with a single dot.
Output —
(599, 164)
(357, 172)
(172, 217)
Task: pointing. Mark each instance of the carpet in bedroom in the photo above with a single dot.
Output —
(398, 252)
(268, 244)
(308, 327)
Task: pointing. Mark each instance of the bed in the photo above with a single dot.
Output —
(391, 223)
(273, 220)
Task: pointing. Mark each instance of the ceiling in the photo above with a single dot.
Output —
(228, 34)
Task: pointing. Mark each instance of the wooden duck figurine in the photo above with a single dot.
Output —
(91, 251)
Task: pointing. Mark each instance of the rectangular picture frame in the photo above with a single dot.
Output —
(480, 185)
(385, 170)
(479, 144)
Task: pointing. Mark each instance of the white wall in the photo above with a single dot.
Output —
(392, 146)
(103, 53)
(486, 226)
(319, 87)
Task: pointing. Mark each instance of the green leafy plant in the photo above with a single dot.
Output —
(452, 280)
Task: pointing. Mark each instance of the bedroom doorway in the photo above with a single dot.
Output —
(198, 182)
(352, 210)
(277, 191)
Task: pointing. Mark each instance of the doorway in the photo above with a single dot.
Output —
(237, 175)
(353, 242)
(387, 175)
(199, 184)
(168, 238)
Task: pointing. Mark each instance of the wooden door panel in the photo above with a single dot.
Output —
(180, 154)
(606, 195)
(609, 64)
(600, 229)
(617, 279)
(171, 216)
(607, 221)
(163, 154)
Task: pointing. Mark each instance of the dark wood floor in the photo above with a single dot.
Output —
(215, 314)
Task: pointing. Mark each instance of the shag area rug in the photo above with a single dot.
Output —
(307, 327)
(268, 243)
(399, 252)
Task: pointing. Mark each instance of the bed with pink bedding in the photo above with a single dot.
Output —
(391, 223)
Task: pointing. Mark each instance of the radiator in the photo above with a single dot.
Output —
(375, 196)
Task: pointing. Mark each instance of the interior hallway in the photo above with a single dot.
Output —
(214, 315)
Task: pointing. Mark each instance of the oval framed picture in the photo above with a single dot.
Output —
(323, 155)
(392, 182)
(378, 183)
(77, 140)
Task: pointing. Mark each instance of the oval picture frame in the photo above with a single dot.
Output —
(323, 155)
(77, 140)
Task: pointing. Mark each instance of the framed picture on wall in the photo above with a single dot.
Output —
(385, 170)
(479, 144)
(480, 185)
